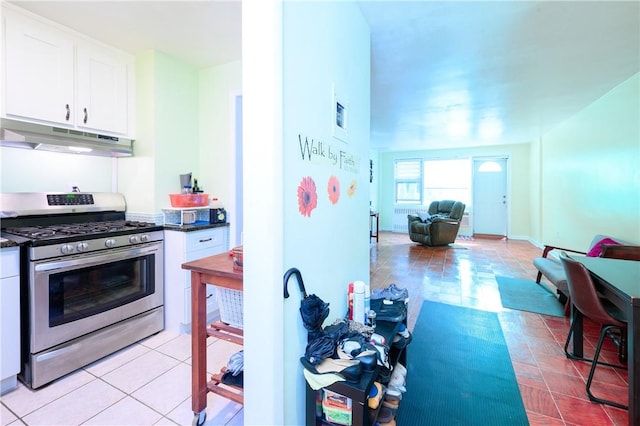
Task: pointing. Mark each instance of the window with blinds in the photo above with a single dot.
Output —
(420, 181)
(408, 181)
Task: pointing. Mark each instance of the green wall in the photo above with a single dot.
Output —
(216, 160)
(326, 46)
(166, 133)
(590, 172)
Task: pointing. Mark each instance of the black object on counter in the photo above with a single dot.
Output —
(217, 215)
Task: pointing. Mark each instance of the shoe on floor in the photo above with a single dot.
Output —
(397, 381)
(375, 395)
(399, 342)
(401, 369)
(384, 375)
(393, 399)
(385, 415)
(349, 369)
(402, 330)
(391, 405)
(392, 422)
(392, 292)
(393, 393)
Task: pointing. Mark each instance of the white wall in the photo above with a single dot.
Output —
(26, 170)
(287, 92)
(262, 200)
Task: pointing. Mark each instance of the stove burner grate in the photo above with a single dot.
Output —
(71, 229)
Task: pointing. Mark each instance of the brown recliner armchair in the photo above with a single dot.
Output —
(439, 226)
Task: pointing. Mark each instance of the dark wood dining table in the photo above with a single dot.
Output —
(618, 281)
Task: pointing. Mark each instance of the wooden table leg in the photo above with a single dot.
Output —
(198, 344)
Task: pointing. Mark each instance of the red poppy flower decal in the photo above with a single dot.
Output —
(352, 188)
(333, 187)
(307, 196)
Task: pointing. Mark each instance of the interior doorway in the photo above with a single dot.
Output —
(490, 202)
(238, 176)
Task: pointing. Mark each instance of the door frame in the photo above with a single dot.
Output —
(507, 177)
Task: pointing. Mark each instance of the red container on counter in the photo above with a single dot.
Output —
(189, 200)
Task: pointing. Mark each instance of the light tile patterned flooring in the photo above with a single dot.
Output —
(552, 387)
(149, 383)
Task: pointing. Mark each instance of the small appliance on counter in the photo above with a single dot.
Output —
(217, 213)
(185, 183)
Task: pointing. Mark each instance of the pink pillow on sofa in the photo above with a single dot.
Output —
(596, 250)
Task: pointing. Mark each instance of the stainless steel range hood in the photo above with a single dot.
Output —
(18, 134)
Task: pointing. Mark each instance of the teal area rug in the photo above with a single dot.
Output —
(459, 371)
(525, 295)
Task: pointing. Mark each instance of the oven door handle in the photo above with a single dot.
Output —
(97, 259)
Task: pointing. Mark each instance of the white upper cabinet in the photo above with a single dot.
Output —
(39, 66)
(56, 76)
(102, 89)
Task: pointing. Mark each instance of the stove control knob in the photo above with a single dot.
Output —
(82, 247)
(110, 243)
(144, 238)
(67, 248)
(134, 239)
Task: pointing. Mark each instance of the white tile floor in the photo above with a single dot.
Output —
(147, 383)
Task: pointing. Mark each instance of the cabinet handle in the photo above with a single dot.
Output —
(86, 116)
(209, 296)
(68, 114)
(205, 240)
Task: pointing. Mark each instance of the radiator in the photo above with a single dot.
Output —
(400, 219)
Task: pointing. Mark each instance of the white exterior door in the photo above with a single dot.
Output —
(490, 196)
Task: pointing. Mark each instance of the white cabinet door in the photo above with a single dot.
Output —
(9, 318)
(39, 71)
(59, 77)
(181, 247)
(102, 90)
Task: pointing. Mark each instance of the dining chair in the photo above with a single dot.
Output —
(588, 302)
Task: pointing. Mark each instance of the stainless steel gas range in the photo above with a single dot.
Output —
(91, 281)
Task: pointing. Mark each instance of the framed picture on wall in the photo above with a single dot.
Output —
(339, 116)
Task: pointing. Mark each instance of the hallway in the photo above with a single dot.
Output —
(552, 387)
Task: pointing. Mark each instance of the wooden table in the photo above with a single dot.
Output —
(215, 270)
(619, 281)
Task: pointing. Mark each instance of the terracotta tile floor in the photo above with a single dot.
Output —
(552, 386)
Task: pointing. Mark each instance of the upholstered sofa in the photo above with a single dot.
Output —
(550, 267)
(439, 226)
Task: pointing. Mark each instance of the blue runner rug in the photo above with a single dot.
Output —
(525, 295)
(459, 371)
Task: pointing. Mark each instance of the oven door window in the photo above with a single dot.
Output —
(84, 292)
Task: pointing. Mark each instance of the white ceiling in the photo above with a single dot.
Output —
(444, 74)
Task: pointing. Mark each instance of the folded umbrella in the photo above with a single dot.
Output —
(313, 310)
(320, 349)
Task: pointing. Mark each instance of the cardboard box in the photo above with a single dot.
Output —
(337, 408)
